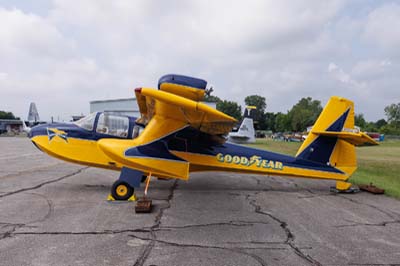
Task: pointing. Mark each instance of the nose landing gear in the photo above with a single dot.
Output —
(123, 189)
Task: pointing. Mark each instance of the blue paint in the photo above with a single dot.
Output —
(320, 150)
(131, 176)
(74, 131)
(183, 80)
(194, 141)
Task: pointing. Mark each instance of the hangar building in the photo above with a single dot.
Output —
(126, 106)
(10, 126)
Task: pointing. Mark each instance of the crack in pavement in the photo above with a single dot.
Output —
(49, 211)
(29, 170)
(105, 232)
(289, 235)
(44, 183)
(157, 222)
(230, 223)
(384, 223)
(14, 227)
(234, 250)
(9, 233)
(374, 264)
(156, 227)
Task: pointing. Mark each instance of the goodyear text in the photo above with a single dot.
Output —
(254, 160)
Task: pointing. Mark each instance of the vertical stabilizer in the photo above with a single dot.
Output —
(326, 143)
(33, 115)
(246, 132)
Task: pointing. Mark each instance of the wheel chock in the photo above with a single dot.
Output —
(132, 198)
(111, 198)
(143, 205)
(372, 189)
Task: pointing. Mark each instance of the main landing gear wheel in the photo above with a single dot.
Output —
(121, 190)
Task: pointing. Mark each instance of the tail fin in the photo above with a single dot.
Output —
(333, 137)
(246, 129)
(247, 126)
(246, 132)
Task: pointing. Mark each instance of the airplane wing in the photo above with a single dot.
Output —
(196, 114)
(165, 112)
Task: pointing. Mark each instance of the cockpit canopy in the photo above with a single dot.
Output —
(87, 122)
(107, 123)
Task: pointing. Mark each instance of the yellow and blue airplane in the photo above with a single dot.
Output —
(178, 134)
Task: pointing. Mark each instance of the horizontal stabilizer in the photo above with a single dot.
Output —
(357, 139)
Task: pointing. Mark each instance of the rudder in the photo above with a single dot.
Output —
(325, 143)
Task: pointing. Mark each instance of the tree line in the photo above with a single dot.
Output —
(302, 115)
(297, 119)
(8, 115)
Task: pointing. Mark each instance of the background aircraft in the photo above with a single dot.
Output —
(245, 133)
(182, 135)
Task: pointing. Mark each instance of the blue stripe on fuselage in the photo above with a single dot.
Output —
(194, 141)
(72, 131)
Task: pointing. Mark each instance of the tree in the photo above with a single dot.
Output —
(360, 121)
(7, 115)
(230, 108)
(393, 114)
(304, 114)
(370, 127)
(259, 114)
(259, 102)
(211, 98)
(380, 123)
(270, 119)
(282, 123)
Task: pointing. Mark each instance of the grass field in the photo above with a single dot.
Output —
(377, 164)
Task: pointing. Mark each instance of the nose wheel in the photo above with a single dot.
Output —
(121, 190)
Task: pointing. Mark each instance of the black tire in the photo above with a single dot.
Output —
(121, 190)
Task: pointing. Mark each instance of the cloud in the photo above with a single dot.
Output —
(342, 76)
(383, 27)
(75, 52)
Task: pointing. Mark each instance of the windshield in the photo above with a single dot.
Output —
(87, 122)
(113, 125)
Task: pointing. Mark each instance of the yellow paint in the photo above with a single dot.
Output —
(196, 114)
(184, 91)
(226, 163)
(115, 149)
(164, 113)
(342, 186)
(111, 198)
(343, 156)
(121, 190)
(132, 198)
(76, 150)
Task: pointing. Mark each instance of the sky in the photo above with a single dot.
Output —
(62, 54)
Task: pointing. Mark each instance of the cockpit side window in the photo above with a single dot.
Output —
(87, 122)
(113, 125)
(136, 131)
